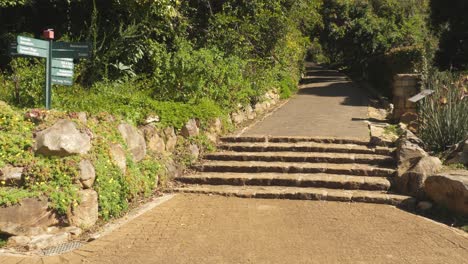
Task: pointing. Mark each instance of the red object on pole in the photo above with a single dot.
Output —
(48, 34)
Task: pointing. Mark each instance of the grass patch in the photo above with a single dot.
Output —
(393, 130)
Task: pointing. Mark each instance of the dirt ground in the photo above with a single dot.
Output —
(213, 229)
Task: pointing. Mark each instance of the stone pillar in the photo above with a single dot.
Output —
(404, 87)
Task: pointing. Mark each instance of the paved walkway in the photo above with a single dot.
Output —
(212, 229)
(327, 104)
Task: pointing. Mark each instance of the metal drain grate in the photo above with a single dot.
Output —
(63, 248)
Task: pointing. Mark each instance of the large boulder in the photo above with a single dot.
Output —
(87, 174)
(190, 129)
(449, 189)
(154, 141)
(238, 117)
(414, 165)
(172, 169)
(408, 153)
(135, 141)
(250, 113)
(117, 154)
(11, 176)
(86, 213)
(194, 151)
(30, 212)
(170, 138)
(14, 229)
(62, 139)
(412, 181)
(216, 126)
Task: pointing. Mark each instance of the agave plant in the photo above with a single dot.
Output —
(444, 115)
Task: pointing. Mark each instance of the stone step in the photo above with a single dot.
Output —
(322, 180)
(305, 147)
(292, 167)
(299, 193)
(302, 157)
(289, 139)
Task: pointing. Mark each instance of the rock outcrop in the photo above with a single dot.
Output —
(190, 129)
(30, 212)
(170, 138)
(414, 166)
(86, 213)
(11, 176)
(117, 154)
(154, 140)
(62, 139)
(135, 141)
(87, 174)
(449, 189)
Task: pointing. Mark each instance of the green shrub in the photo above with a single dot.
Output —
(192, 75)
(287, 87)
(372, 38)
(25, 85)
(444, 114)
(381, 69)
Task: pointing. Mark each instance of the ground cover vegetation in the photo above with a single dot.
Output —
(175, 59)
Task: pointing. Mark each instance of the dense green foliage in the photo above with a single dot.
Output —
(375, 39)
(228, 52)
(449, 19)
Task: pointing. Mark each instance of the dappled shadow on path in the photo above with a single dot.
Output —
(324, 73)
(351, 94)
(322, 79)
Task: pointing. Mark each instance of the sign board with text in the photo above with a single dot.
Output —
(59, 57)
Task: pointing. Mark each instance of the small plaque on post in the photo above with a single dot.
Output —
(421, 95)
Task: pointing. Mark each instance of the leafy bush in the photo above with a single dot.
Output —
(375, 39)
(381, 69)
(444, 114)
(25, 86)
(191, 75)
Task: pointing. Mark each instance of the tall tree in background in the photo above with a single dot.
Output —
(450, 19)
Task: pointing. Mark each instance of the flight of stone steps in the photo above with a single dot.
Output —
(297, 168)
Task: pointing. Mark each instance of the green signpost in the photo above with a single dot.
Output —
(59, 58)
